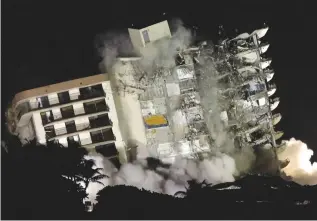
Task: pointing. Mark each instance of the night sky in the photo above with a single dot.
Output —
(45, 42)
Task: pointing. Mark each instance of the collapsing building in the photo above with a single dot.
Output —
(150, 105)
(175, 103)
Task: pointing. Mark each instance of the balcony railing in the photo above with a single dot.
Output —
(100, 136)
(107, 150)
(99, 121)
(64, 98)
(91, 108)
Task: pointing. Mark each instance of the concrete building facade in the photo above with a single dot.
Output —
(80, 110)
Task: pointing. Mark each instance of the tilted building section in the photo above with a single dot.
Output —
(80, 110)
(161, 111)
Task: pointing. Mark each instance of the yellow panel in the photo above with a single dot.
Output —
(155, 120)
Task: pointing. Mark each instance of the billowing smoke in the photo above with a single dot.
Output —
(300, 169)
(110, 46)
(166, 179)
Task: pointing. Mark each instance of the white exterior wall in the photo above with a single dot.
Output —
(120, 144)
(85, 138)
(74, 93)
(63, 141)
(33, 103)
(56, 113)
(53, 99)
(81, 122)
(79, 108)
(38, 127)
(128, 111)
(60, 128)
(136, 38)
(157, 31)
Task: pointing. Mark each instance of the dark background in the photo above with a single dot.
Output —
(45, 42)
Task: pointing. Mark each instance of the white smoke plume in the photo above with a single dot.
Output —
(110, 46)
(300, 169)
(217, 169)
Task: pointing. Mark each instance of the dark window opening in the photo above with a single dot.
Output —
(110, 151)
(107, 150)
(70, 127)
(100, 121)
(50, 132)
(45, 102)
(73, 141)
(146, 36)
(96, 136)
(102, 135)
(63, 97)
(47, 117)
(108, 134)
(67, 112)
(91, 91)
(95, 106)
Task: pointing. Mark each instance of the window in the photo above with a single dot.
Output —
(99, 121)
(70, 126)
(101, 105)
(47, 117)
(67, 112)
(91, 91)
(96, 136)
(95, 106)
(45, 102)
(63, 97)
(73, 141)
(97, 90)
(102, 135)
(50, 132)
(146, 36)
(108, 134)
(107, 150)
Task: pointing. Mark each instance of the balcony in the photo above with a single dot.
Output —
(68, 111)
(91, 92)
(102, 135)
(110, 152)
(107, 150)
(71, 127)
(95, 106)
(100, 121)
(86, 93)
